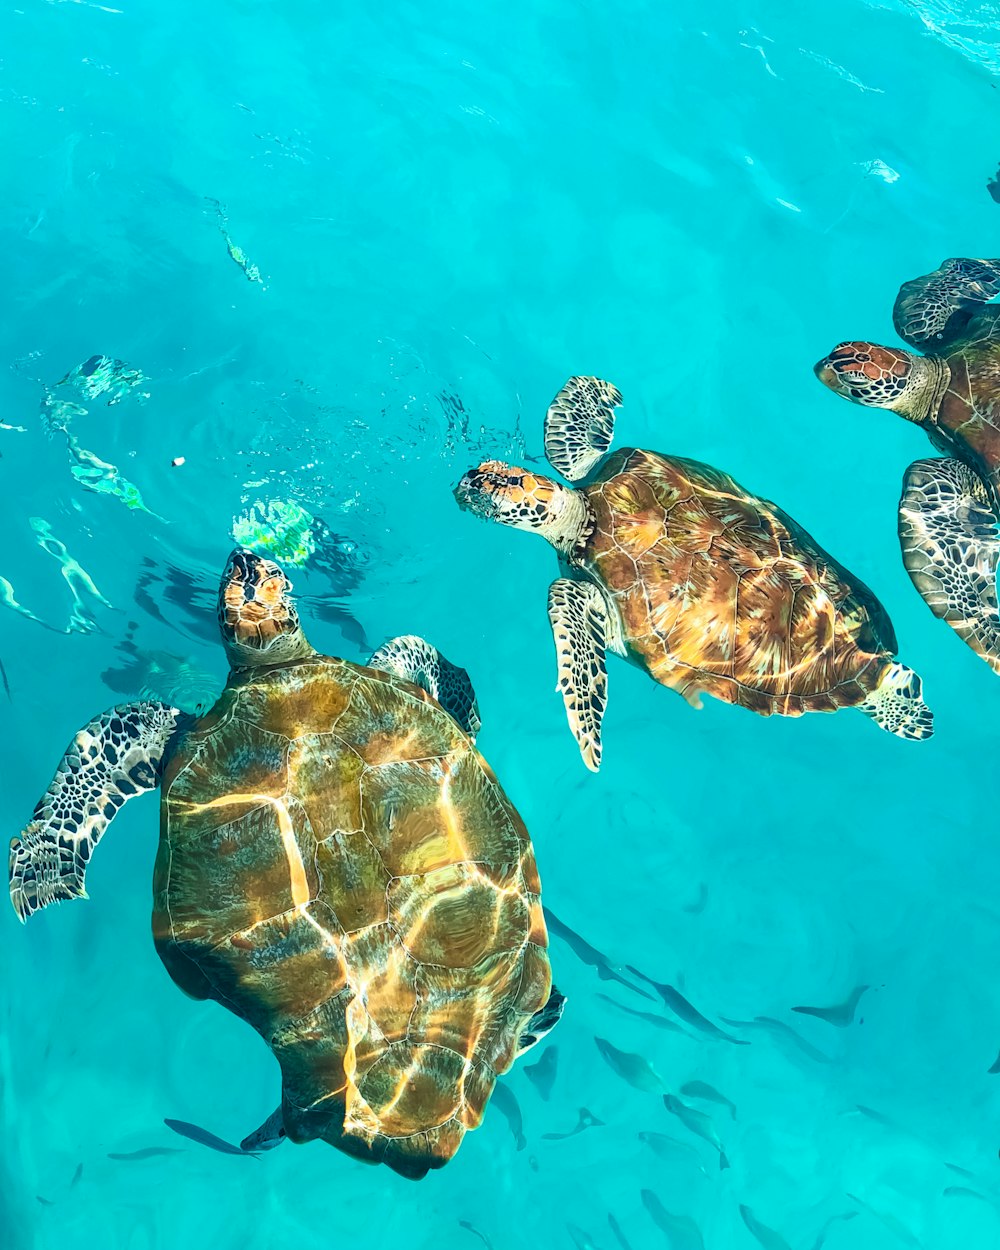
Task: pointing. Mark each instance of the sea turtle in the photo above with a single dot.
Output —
(950, 508)
(709, 589)
(337, 865)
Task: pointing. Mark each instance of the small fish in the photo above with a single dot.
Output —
(698, 1123)
(46, 1202)
(543, 1073)
(6, 683)
(840, 1015)
(204, 1138)
(631, 1068)
(660, 1022)
(953, 1167)
(699, 1089)
(76, 1175)
(683, 1232)
(781, 1032)
(622, 1240)
(879, 1118)
(681, 1008)
(993, 186)
(767, 1237)
(588, 954)
(581, 1238)
(890, 1222)
(586, 1120)
(962, 1191)
(476, 1233)
(505, 1102)
(147, 1152)
(992, 1071)
(834, 1219)
(672, 1150)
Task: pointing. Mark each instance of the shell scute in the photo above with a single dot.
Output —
(456, 916)
(389, 720)
(232, 876)
(326, 775)
(282, 967)
(415, 1083)
(386, 982)
(354, 880)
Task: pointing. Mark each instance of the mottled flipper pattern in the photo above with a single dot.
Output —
(933, 311)
(950, 548)
(579, 618)
(415, 660)
(115, 757)
(897, 705)
(579, 426)
(542, 1022)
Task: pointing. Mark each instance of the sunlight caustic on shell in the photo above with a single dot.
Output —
(296, 868)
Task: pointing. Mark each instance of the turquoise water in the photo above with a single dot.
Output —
(452, 208)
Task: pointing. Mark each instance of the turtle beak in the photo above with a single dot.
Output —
(463, 492)
(825, 371)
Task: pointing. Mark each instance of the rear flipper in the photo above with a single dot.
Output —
(542, 1022)
(270, 1134)
(415, 660)
(897, 707)
(948, 533)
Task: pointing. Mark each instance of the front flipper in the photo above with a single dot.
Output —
(415, 660)
(542, 1022)
(950, 548)
(579, 618)
(115, 757)
(579, 426)
(933, 311)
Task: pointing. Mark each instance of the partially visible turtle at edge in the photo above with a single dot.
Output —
(706, 587)
(950, 508)
(337, 865)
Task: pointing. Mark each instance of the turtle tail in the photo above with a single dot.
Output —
(896, 704)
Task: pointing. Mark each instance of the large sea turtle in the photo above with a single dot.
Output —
(950, 509)
(337, 865)
(709, 589)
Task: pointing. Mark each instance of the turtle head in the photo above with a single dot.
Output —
(527, 501)
(883, 377)
(257, 616)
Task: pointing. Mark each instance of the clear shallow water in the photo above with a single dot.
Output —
(452, 210)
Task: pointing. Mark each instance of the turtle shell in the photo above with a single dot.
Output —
(339, 867)
(967, 422)
(722, 593)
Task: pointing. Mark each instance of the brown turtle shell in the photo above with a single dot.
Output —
(967, 422)
(339, 867)
(722, 593)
